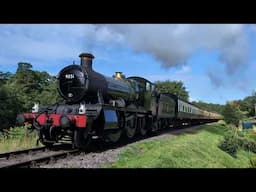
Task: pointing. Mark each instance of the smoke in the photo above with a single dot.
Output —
(215, 79)
(236, 55)
(174, 44)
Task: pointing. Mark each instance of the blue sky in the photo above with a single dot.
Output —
(216, 62)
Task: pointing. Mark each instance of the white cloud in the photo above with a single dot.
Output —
(171, 44)
(174, 44)
(183, 70)
(50, 42)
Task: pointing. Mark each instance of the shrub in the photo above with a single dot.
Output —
(253, 162)
(251, 134)
(233, 139)
(222, 123)
(1, 135)
(16, 133)
(247, 144)
(18, 138)
(229, 144)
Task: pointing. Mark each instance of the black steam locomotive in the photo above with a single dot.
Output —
(100, 107)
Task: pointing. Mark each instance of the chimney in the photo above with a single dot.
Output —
(86, 60)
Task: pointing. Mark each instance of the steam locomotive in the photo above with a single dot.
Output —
(100, 107)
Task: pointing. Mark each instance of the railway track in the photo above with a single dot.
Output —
(30, 157)
(38, 155)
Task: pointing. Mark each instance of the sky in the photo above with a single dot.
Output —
(216, 62)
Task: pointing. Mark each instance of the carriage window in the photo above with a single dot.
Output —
(148, 87)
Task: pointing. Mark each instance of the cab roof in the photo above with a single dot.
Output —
(140, 78)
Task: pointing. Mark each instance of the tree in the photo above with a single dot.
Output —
(232, 114)
(5, 76)
(174, 87)
(48, 94)
(247, 104)
(209, 106)
(32, 86)
(25, 85)
(10, 106)
(19, 91)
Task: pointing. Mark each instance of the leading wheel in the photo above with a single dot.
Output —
(44, 138)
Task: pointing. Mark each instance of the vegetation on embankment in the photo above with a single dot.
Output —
(17, 138)
(194, 149)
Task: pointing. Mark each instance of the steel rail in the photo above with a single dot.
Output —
(23, 151)
(27, 157)
(44, 158)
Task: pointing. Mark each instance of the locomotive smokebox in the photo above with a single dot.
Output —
(86, 60)
(81, 83)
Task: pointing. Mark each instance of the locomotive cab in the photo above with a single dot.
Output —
(144, 90)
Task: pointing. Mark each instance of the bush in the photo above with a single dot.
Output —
(247, 144)
(233, 139)
(10, 106)
(253, 162)
(230, 144)
(16, 133)
(250, 134)
(1, 135)
(222, 123)
(18, 138)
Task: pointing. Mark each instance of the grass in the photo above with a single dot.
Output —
(198, 149)
(250, 134)
(18, 138)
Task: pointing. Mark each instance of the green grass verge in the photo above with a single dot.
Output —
(196, 149)
(18, 138)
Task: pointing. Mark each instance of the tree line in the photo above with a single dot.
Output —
(19, 91)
